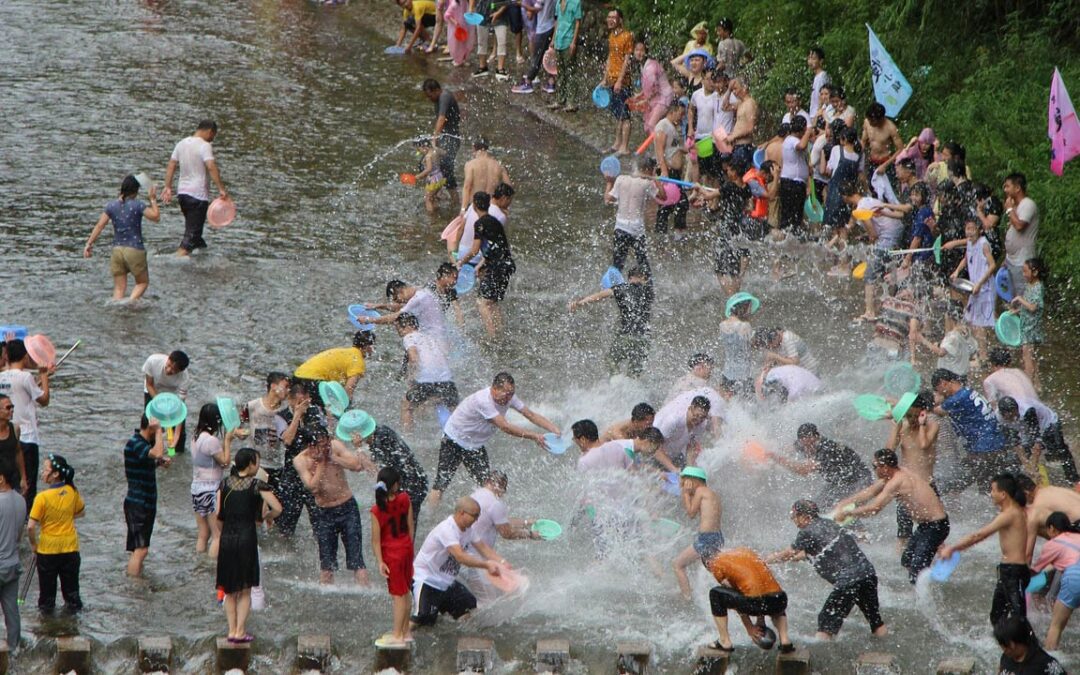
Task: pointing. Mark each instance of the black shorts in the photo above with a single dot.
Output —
(427, 21)
(838, 605)
(923, 545)
(140, 525)
(429, 603)
(727, 260)
(711, 166)
(445, 392)
(494, 280)
(723, 598)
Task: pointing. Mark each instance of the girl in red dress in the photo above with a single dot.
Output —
(392, 528)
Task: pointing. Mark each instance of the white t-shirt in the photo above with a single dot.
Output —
(1020, 246)
(687, 382)
(671, 420)
(206, 473)
(801, 113)
(23, 390)
(725, 119)
(493, 512)
(705, 109)
(470, 424)
(610, 455)
(1011, 382)
(432, 365)
(266, 427)
(888, 229)
(816, 151)
(834, 157)
(155, 369)
(958, 350)
(433, 564)
(631, 193)
(468, 232)
(820, 80)
(192, 153)
(797, 380)
(792, 346)
(794, 161)
(424, 305)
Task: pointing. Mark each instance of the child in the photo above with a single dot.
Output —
(1030, 307)
(980, 265)
(57, 547)
(392, 529)
(432, 175)
(956, 348)
(700, 502)
(923, 231)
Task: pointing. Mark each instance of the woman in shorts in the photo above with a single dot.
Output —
(209, 456)
(128, 253)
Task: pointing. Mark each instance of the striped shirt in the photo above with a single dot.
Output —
(139, 468)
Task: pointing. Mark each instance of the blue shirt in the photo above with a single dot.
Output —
(974, 420)
(566, 18)
(127, 222)
(920, 229)
(140, 469)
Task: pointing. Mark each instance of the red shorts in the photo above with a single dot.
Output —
(400, 561)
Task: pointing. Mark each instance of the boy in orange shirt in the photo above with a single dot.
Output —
(748, 587)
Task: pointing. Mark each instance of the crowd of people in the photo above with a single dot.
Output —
(819, 179)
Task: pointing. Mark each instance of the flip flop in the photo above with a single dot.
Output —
(384, 642)
(787, 649)
(720, 648)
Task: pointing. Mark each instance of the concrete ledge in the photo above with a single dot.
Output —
(398, 658)
(956, 665)
(633, 657)
(475, 655)
(876, 663)
(313, 653)
(155, 655)
(232, 656)
(552, 656)
(711, 661)
(73, 653)
(795, 663)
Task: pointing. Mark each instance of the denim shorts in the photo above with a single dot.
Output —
(617, 105)
(341, 521)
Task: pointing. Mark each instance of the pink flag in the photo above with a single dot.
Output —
(1064, 128)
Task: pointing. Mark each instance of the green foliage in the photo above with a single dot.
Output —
(980, 69)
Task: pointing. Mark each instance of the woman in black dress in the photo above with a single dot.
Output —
(239, 507)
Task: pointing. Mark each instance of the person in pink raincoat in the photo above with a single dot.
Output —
(455, 25)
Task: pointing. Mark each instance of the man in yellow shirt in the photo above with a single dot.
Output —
(417, 16)
(338, 364)
(57, 546)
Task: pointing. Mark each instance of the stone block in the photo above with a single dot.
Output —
(876, 663)
(398, 658)
(155, 655)
(552, 655)
(313, 653)
(633, 657)
(232, 656)
(956, 665)
(73, 653)
(475, 655)
(795, 663)
(711, 661)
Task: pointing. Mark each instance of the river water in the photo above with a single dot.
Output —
(312, 118)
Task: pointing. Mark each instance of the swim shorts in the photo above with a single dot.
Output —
(708, 544)
(494, 280)
(923, 545)
(204, 502)
(617, 105)
(727, 260)
(445, 392)
(429, 603)
(140, 525)
(1069, 593)
(127, 260)
(723, 598)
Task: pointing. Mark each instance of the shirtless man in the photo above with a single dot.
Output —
(916, 495)
(322, 468)
(774, 152)
(880, 137)
(1011, 525)
(915, 433)
(483, 173)
(1042, 500)
(746, 113)
(641, 419)
(701, 502)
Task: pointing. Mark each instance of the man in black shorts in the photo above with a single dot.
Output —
(144, 452)
(498, 265)
(427, 371)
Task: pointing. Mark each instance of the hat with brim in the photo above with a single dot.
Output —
(694, 472)
(902, 406)
(355, 422)
(709, 62)
(738, 299)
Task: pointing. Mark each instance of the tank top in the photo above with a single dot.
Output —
(9, 445)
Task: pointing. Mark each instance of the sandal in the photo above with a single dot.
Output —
(721, 648)
(787, 649)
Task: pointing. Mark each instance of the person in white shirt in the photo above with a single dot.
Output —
(26, 394)
(702, 112)
(794, 174)
(784, 348)
(436, 589)
(494, 522)
(195, 157)
(793, 103)
(427, 370)
(474, 422)
(620, 453)
(265, 423)
(631, 194)
(682, 422)
(787, 383)
(167, 373)
(815, 61)
(701, 366)
(422, 303)
(884, 228)
(1006, 381)
(1021, 241)
(460, 246)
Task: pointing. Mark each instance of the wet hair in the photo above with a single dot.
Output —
(849, 189)
(792, 91)
(1007, 483)
(585, 429)
(9, 471)
(393, 287)
(818, 51)
(207, 125)
(652, 435)
(957, 167)
(805, 507)
(1025, 483)
(503, 190)
(388, 477)
(480, 143)
(1060, 522)
(1038, 266)
(849, 135)
(673, 106)
(838, 91)
(481, 201)
(245, 457)
(298, 387)
(767, 166)
(784, 129)
(699, 358)
(924, 400)
(1000, 356)
(774, 388)
(955, 149)
(701, 403)
(726, 24)
(407, 320)
(446, 269)
(129, 187)
(363, 338)
(503, 379)
(718, 74)
(943, 375)
(617, 11)
(639, 39)
(144, 423)
(61, 466)
(497, 477)
(798, 125)
(1008, 405)
(646, 165)
(1015, 629)
(430, 85)
(642, 411)
(886, 457)
(1017, 179)
(639, 272)
(982, 191)
(180, 359)
(209, 419)
(273, 377)
(907, 163)
(16, 350)
(922, 190)
(807, 430)
(876, 111)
